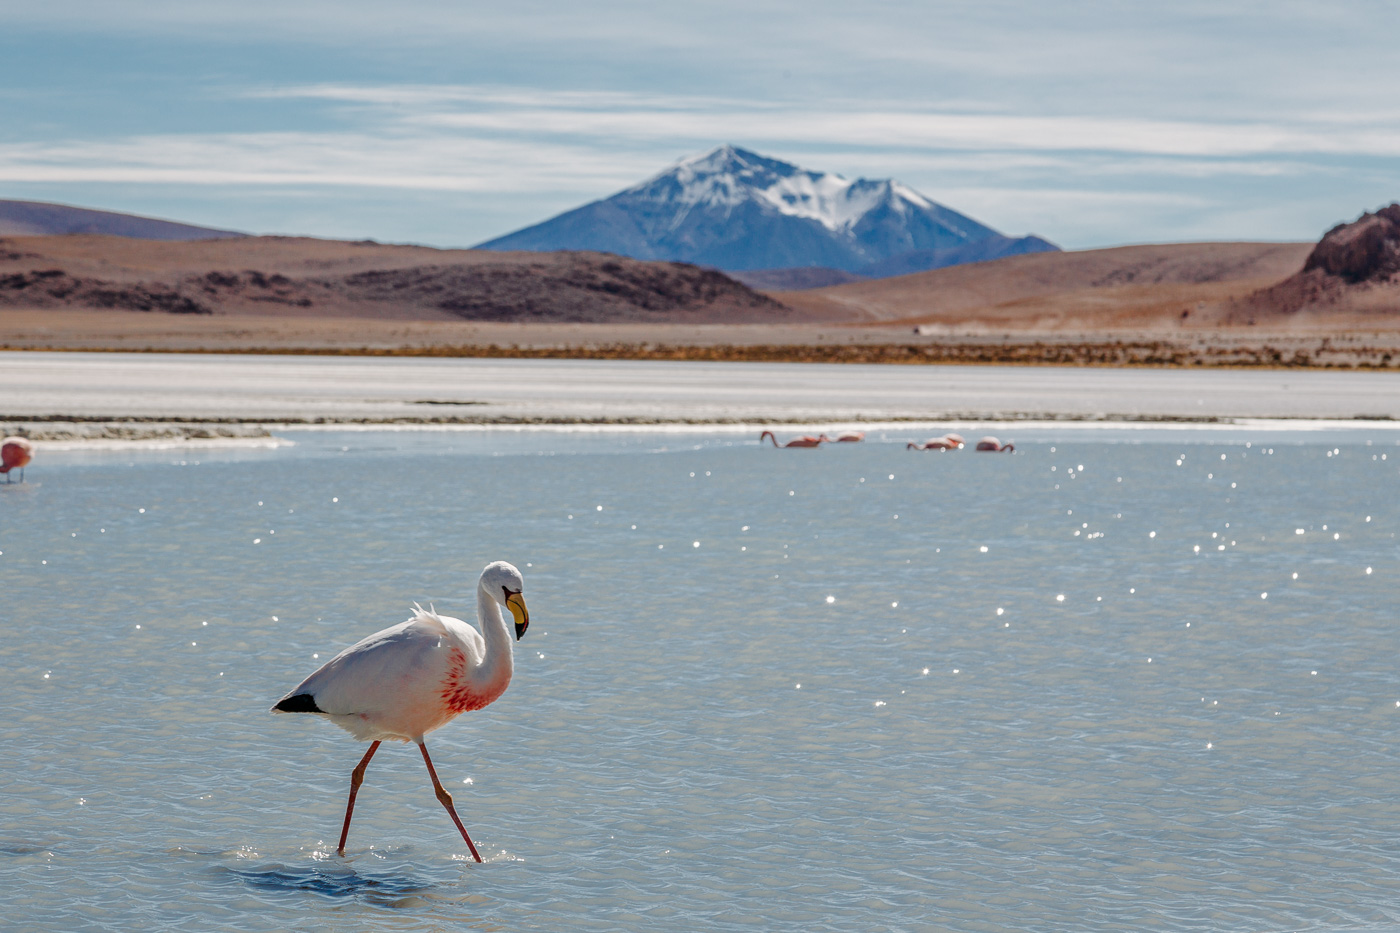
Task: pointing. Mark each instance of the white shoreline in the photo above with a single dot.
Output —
(623, 427)
(1007, 429)
(166, 443)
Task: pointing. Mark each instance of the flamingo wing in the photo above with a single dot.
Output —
(391, 684)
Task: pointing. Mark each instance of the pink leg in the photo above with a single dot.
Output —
(356, 778)
(445, 799)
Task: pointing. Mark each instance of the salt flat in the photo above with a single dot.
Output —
(88, 386)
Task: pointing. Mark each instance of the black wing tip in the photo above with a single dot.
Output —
(301, 703)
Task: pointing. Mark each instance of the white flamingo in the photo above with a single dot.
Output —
(407, 680)
(949, 441)
(992, 444)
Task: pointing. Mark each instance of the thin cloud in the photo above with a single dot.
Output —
(446, 163)
(656, 118)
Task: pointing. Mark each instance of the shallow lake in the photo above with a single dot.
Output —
(1121, 679)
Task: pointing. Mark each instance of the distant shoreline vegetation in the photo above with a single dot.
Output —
(1109, 353)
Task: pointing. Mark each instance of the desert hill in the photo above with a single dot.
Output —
(1174, 305)
(1353, 273)
(302, 277)
(1125, 288)
(39, 218)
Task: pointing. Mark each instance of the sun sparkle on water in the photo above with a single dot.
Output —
(706, 738)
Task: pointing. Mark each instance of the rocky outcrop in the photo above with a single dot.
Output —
(1354, 269)
(574, 288)
(1367, 250)
(55, 288)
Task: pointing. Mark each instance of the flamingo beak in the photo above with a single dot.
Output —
(516, 604)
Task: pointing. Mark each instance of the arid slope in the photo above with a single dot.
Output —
(301, 277)
(1126, 288)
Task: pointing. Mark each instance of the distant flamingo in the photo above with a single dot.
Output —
(805, 440)
(992, 444)
(845, 437)
(949, 441)
(15, 452)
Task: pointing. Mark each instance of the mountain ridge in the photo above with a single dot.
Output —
(736, 210)
(43, 218)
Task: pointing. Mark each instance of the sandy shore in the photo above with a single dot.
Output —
(141, 435)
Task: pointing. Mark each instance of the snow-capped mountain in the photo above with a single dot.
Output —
(737, 210)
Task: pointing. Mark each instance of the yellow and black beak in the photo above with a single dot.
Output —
(516, 604)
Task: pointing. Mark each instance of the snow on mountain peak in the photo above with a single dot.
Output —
(728, 176)
(735, 209)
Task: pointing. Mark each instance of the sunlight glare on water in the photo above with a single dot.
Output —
(749, 698)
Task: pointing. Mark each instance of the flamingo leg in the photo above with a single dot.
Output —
(445, 799)
(357, 777)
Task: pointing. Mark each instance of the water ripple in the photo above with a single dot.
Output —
(652, 767)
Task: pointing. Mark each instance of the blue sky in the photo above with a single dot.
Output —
(1092, 123)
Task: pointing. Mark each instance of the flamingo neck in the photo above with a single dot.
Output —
(499, 661)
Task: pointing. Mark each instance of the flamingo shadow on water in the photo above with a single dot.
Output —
(409, 679)
(336, 882)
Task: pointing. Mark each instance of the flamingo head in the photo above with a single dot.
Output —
(503, 583)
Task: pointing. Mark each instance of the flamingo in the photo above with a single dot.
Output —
(846, 437)
(949, 441)
(15, 452)
(992, 444)
(805, 440)
(407, 680)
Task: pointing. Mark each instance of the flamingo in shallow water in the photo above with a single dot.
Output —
(846, 437)
(409, 679)
(992, 444)
(15, 452)
(805, 440)
(949, 441)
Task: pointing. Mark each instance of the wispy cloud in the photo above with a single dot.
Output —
(1089, 122)
(505, 156)
(655, 117)
(424, 162)
(502, 139)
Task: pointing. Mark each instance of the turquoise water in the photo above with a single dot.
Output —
(1162, 748)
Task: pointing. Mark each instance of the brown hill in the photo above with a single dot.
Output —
(794, 279)
(1126, 288)
(1352, 274)
(287, 276)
